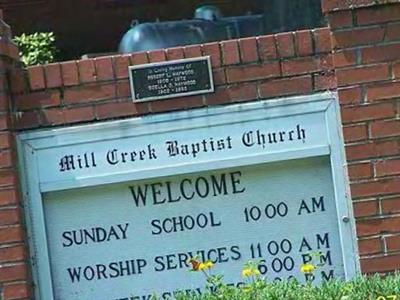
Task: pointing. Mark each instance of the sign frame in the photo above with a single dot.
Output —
(206, 59)
(32, 143)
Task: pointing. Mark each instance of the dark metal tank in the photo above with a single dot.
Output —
(208, 25)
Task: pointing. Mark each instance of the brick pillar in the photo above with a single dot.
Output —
(365, 37)
(14, 265)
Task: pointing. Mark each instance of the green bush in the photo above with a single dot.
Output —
(362, 288)
(37, 48)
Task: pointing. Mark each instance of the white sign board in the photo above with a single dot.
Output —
(118, 208)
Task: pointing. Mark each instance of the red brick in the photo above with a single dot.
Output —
(396, 70)
(350, 95)
(374, 188)
(121, 65)
(345, 58)
(120, 109)
(177, 104)
(17, 291)
(362, 74)
(9, 235)
(380, 53)
(53, 75)
(5, 162)
(8, 177)
(355, 133)
(322, 40)
(353, 114)
(104, 68)
(393, 32)
(285, 44)
(388, 263)
(4, 121)
(3, 83)
(8, 197)
(27, 119)
(236, 93)
(156, 56)
(360, 171)
(139, 58)
(375, 15)
(325, 81)
(38, 100)
(90, 93)
(378, 226)
(393, 243)
(220, 96)
(267, 47)
(340, 19)
(192, 51)
(4, 102)
(369, 246)
(230, 52)
(357, 37)
(9, 216)
(287, 86)
(65, 115)
(13, 273)
(87, 71)
(70, 73)
(365, 208)
(382, 91)
(219, 76)
(214, 51)
(13, 253)
(36, 78)
(78, 114)
(124, 89)
(372, 150)
(175, 53)
(300, 66)
(303, 42)
(248, 50)
(18, 84)
(391, 205)
(252, 72)
(381, 129)
(387, 167)
(5, 140)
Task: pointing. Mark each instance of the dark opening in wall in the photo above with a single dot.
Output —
(97, 26)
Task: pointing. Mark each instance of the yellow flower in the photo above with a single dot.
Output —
(209, 264)
(205, 265)
(247, 272)
(307, 268)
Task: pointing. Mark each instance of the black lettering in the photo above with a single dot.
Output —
(67, 235)
(139, 194)
(74, 274)
(160, 266)
(156, 223)
(157, 192)
(236, 182)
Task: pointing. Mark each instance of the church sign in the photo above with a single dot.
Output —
(116, 209)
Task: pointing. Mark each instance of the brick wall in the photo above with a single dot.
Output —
(244, 70)
(14, 265)
(361, 45)
(366, 55)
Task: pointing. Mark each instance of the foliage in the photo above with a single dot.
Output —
(361, 288)
(37, 48)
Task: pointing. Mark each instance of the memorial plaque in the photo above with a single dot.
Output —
(117, 209)
(171, 79)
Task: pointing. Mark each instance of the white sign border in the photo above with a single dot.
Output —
(30, 143)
